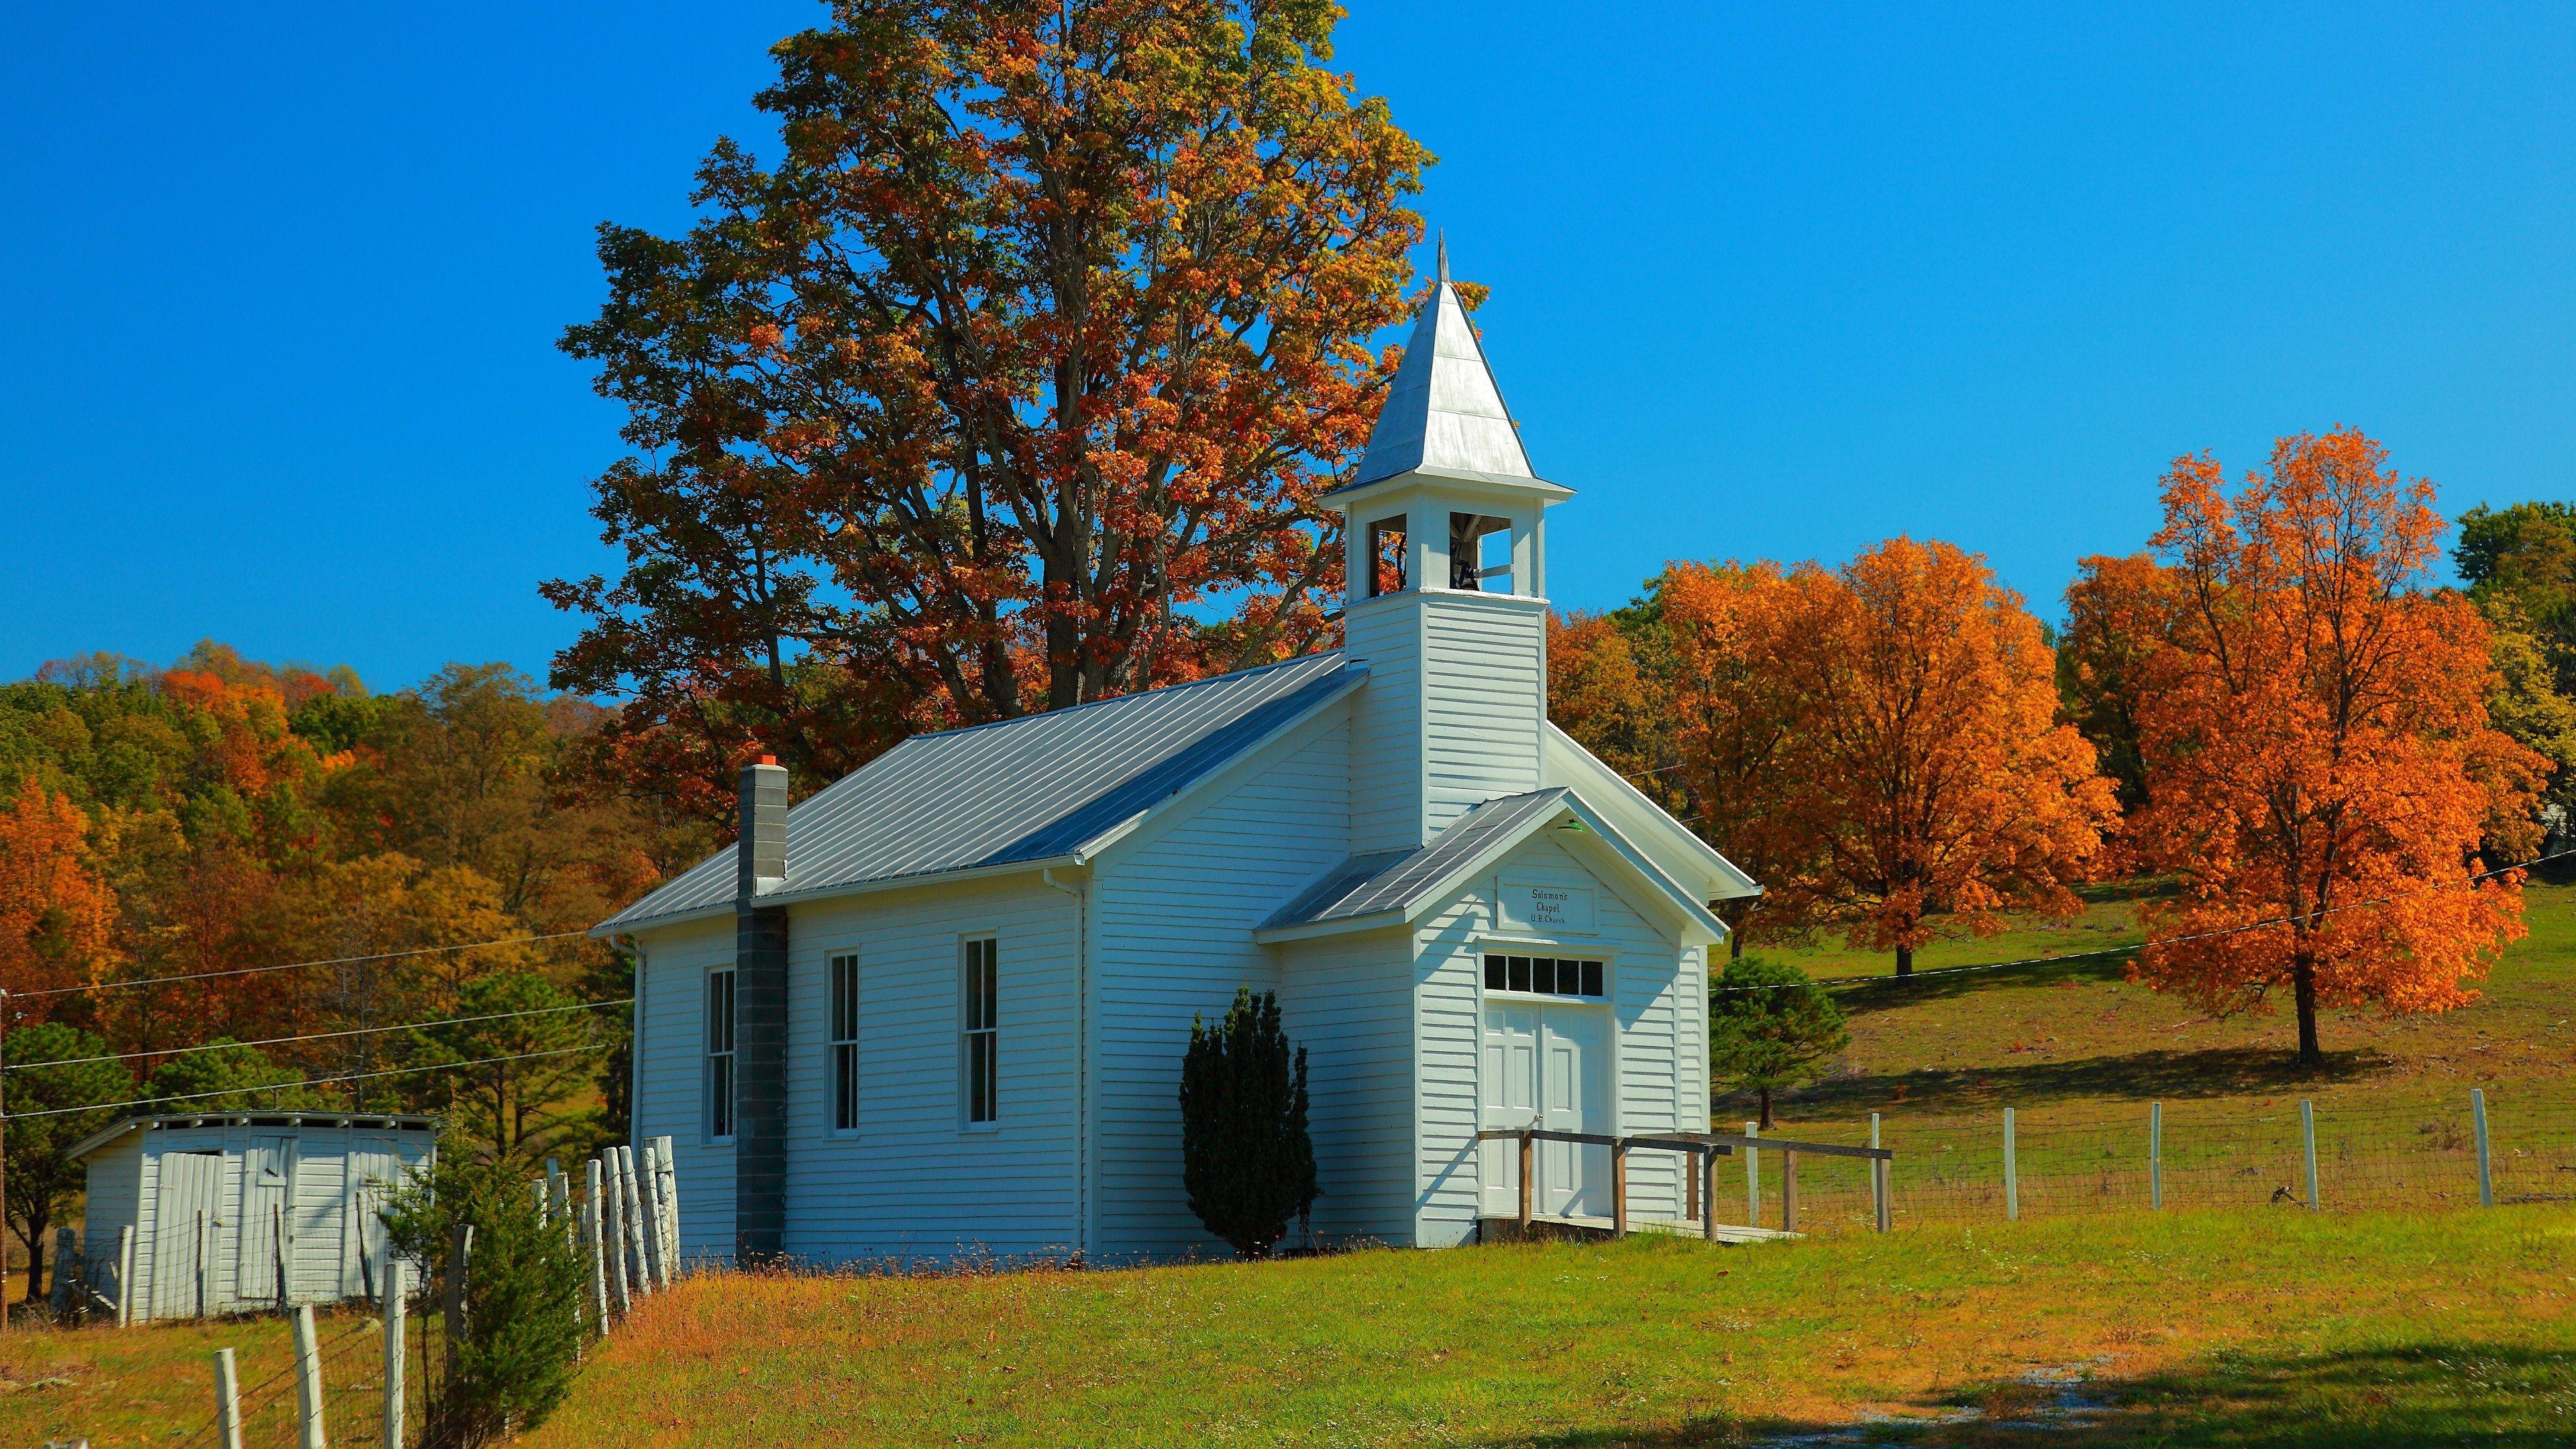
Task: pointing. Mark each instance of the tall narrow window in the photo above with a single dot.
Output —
(845, 1043)
(720, 1056)
(1386, 556)
(982, 1018)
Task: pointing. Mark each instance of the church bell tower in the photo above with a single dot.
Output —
(1447, 602)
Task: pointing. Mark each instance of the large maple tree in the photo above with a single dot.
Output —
(1925, 768)
(1011, 383)
(2319, 766)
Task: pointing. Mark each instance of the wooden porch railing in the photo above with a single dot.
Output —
(1706, 1148)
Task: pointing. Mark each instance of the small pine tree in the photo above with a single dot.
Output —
(1246, 1160)
(1770, 1027)
(523, 1284)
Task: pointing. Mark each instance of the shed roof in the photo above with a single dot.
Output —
(368, 1121)
(1019, 792)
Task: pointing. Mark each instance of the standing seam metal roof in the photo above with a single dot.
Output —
(1019, 790)
(1395, 880)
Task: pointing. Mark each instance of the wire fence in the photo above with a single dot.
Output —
(2174, 1156)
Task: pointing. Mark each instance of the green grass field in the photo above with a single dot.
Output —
(2250, 1329)
(2087, 1323)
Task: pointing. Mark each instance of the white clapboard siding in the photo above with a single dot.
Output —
(1175, 919)
(915, 1181)
(112, 1200)
(1348, 1001)
(1649, 983)
(670, 1076)
(1386, 725)
(1484, 690)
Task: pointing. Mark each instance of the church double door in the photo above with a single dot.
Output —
(1546, 1066)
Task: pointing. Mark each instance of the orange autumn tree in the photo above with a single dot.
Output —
(1925, 768)
(55, 915)
(2317, 752)
(1735, 719)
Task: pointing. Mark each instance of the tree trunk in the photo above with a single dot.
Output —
(36, 1257)
(1766, 1107)
(1904, 960)
(2303, 982)
(1735, 944)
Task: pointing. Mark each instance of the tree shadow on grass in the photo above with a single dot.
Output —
(1865, 995)
(2424, 1396)
(2141, 1076)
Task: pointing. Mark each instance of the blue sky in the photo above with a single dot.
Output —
(277, 353)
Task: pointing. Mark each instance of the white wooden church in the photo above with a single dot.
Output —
(939, 1008)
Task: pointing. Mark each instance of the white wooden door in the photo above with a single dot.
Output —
(1574, 1087)
(1509, 1084)
(375, 1167)
(184, 1225)
(268, 1175)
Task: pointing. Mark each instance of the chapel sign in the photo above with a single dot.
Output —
(1524, 904)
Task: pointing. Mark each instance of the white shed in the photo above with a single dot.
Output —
(222, 1204)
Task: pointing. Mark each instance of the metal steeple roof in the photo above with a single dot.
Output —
(1443, 410)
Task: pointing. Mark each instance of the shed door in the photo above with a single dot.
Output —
(184, 1232)
(375, 1167)
(268, 1176)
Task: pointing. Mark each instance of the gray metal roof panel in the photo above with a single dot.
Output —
(1398, 880)
(1028, 789)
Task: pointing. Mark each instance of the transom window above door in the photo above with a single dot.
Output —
(1544, 975)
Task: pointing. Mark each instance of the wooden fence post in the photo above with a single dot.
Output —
(593, 1230)
(2012, 1174)
(1884, 1180)
(1529, 1154)
(227, 1400)
(395, 1324)
(2308, 1137)
(1788, 1191)
(1708, 1194)
(2478, 1114)
(1752, 1178)
(1690, 1188)
(460, 1257)
(613, 1226)
(308, 1381)
(667, 1169)
(2156, 1156)
(125, 1276)
(1877, 1182)
(1619, 1188)
(648, 1190)
(640, 1274)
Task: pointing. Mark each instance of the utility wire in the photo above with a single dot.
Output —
(215, 1046)
(1872, 981)
(281, 1086)
(297, 965)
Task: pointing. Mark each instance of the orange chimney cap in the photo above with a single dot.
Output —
(769, 759)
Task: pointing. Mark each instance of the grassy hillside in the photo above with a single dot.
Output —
(2075, 1037)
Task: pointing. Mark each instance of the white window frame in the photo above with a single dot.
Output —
(841, 1052)
(719, 1095)
(979, 1033)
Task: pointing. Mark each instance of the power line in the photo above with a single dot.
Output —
(216, 1046)
(282, 1086)
(1871, 981)
(298, 965)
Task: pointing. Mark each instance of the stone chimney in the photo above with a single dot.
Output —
(760, 1019)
